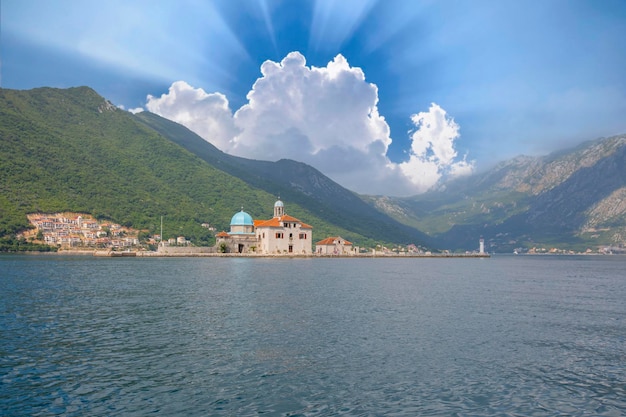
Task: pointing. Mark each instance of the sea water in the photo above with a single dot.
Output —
(514, 336)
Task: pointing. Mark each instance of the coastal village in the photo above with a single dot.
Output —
(74, 230)
(280, 235)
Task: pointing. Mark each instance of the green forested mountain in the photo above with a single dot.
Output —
(71, 150)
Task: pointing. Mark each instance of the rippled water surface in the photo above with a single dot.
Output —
(516, 336)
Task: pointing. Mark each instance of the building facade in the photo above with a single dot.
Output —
(241, 238)
(282, 234)
(334, 246)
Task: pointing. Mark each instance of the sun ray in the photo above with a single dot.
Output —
(336, 21)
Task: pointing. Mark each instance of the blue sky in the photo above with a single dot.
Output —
(490, 79)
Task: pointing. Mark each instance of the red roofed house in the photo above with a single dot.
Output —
(283, 234)
(333, 246)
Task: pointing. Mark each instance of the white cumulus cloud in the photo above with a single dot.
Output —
(208, 115)
(432, 153)
(326, 107)
(327, 117)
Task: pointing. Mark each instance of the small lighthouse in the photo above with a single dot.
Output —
(481, 245)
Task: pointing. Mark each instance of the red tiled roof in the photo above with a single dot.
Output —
(276, 222)
(267, 223)
(332, 240)
(222, 234)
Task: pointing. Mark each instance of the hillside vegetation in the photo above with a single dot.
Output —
(71, 150)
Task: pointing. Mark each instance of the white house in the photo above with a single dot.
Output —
(335, 245)
(283, 233)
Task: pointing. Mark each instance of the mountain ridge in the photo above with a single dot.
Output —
(72, 150)
(295, 181)
(571, 197)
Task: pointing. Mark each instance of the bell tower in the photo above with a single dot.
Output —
(279, 208)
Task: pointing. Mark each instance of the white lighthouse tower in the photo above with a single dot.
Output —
(481, 245)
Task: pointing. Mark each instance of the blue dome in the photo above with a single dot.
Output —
(241, 219)
(278, 204)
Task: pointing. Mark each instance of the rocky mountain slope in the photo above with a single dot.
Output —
(572, 198)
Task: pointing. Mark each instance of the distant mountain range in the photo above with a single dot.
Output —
(574, 198)
(72, 150)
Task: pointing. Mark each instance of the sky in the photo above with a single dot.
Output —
(390, 97)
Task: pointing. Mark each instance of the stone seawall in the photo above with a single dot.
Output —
(184, 251)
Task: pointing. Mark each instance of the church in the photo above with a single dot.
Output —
(282, 234)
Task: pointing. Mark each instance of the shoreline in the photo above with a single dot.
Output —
(191, 254)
